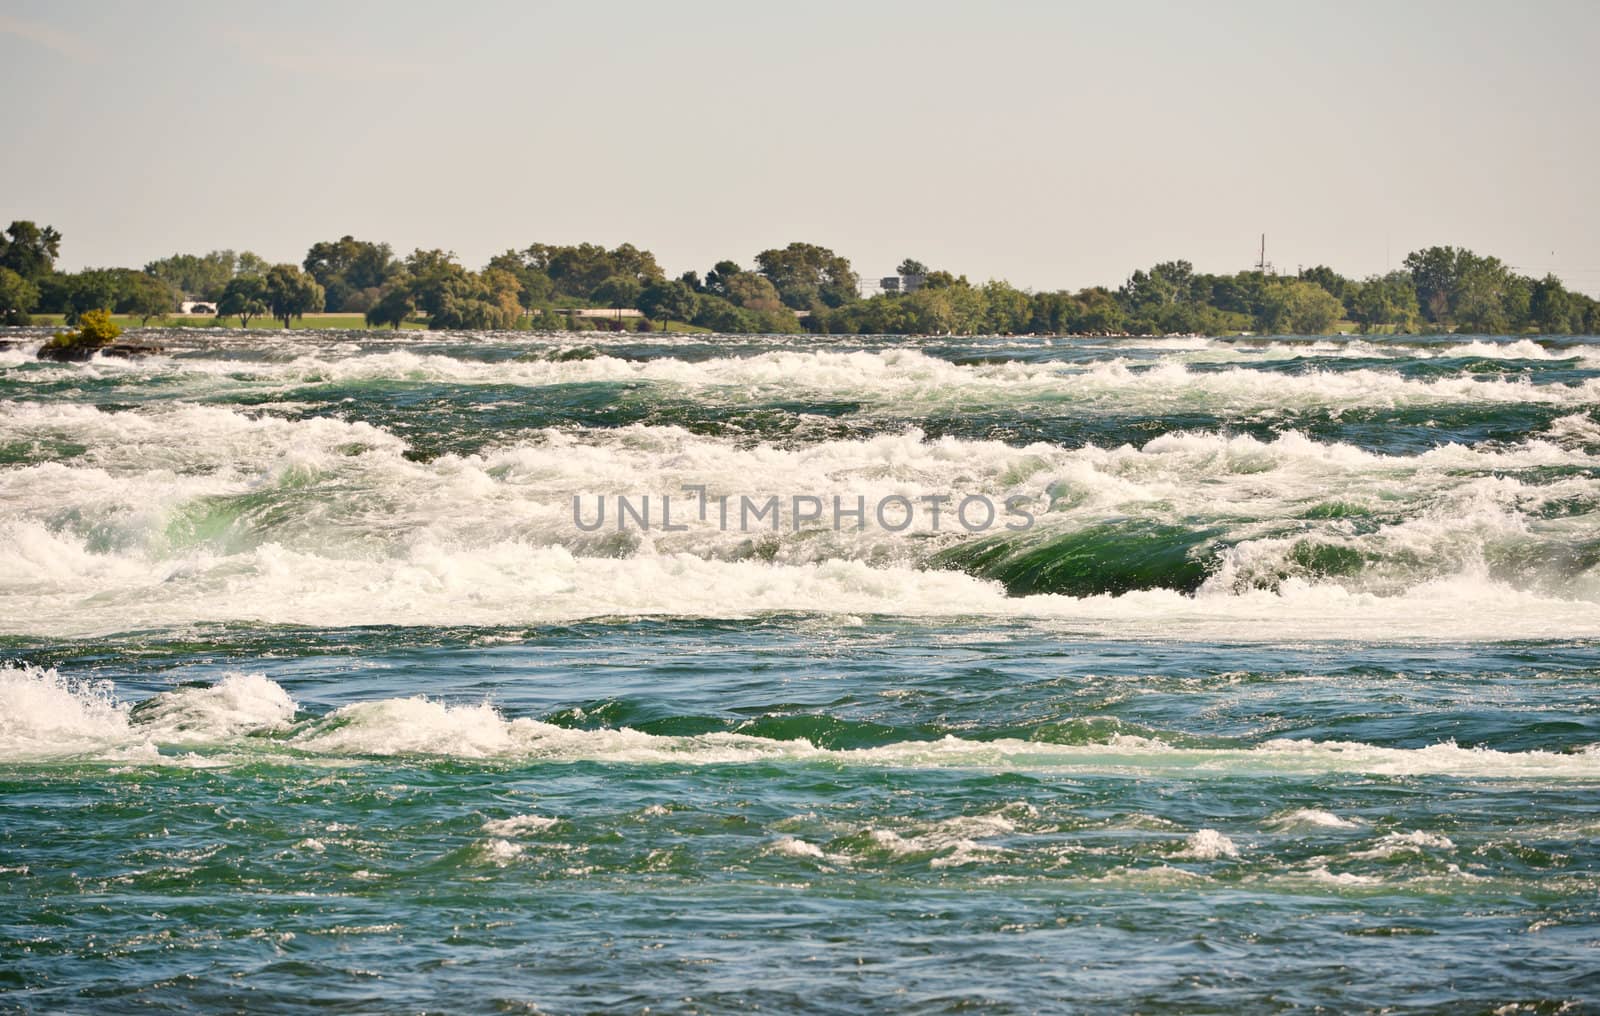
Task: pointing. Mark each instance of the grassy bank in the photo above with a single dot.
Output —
(345, 322)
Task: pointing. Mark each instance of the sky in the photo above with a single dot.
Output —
(1054, 144)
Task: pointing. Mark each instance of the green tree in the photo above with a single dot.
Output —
(1384, 300)
(635, 263)
(752, 292)
(1458, 288)
(1553, 310)
(472, 305)
(1048, 313)
(1328, 279)
(1297, 307)
(90, 289)
(534, 287)
(774, 322)
(930, 311)
(1481, 298)
(577, 271)
(1097, 313)
(971, 308)
(454, 298)
(244, 297)
(1516, 300)
(720, 315)
(883, 314)
(29, 250)
(433, 273)
(668, 301)
(502, 293)
(18, 296)
(1591, 316)
(346, 266)
(911, 266)
(251, 263)
(617, 292)
(806, 274)
(195, 276)
(144, 296)
(394, 306)
(1243, 293)
(1433, 275)
(720, 274)
(291, 293)
(1166, 285)
(941, 279)
(1007, 310)
(421, 263)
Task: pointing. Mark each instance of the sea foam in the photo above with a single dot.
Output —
(210, 514)
(48, 716)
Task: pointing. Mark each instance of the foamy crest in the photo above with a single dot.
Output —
(1207, 845)
(1415, 842)
(500, 852)
(246, 519)
(46, 715)
(947, 843)
(792, 847)
(902, 375)
(520, 825)
(1310, 818)
(183, 438)
(1343, 879)
(237, 704)
(43, 715)
(1521, 349)
(513, 584)
(424, 727)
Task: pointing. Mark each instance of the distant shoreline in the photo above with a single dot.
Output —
(12, 336)
(802, 287)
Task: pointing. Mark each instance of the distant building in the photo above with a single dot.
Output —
(901, 283)
(197, 307)
(598, 312)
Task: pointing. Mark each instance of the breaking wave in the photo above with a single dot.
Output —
(903, 376)
(46, 717)
(177, 512)
(207, 513)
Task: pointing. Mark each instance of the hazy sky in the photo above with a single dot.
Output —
(1053, 144)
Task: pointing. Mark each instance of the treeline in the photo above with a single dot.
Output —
(1440, 289)
(790, 289)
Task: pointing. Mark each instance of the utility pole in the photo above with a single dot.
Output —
(1262, 265)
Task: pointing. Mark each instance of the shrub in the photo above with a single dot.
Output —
(95, 331)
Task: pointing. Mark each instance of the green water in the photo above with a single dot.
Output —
(315, 698)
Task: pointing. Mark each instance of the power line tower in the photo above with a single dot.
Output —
(1262, 264)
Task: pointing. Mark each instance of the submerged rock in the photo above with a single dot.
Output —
(1112, 558)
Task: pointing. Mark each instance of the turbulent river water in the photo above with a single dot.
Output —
(318, 691)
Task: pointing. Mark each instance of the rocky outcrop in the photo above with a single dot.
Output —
(78, 354)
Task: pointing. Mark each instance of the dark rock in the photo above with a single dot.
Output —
(66, 354)
(131, 349)
(78, 354)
